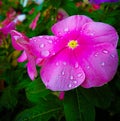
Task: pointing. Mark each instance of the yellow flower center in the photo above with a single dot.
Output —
(73, 44)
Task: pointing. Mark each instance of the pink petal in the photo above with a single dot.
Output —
(23, 57)
(34, 22)
(8, 28)
(62, 14)
(61, 95)
(44, 46)
(99, 63)
(17, 39)
(61, 72)
(73, 23)
(96, 32)
(31, 67)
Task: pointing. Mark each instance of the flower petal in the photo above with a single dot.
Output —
(23, 57)
(16, 38)
(73, 23)
(101, 1)
(8, 28)
(99, 64)
(61, 72)
(31, 67)
(44, 46)
(97, 32)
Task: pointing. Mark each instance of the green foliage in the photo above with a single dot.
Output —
(77, 107)
(42, 111)
(36, 90)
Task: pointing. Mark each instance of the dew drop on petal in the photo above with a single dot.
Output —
(70, 85)
(88, 67)
(45, 53)
(64, 63)
(41, 36)
(50, 41)
(59, 33)
(113, 56)
(79, 75)
(96, 54)
(76, 65)
(75, 82)
(63, 73)
(57, 63)
(105, 51)
(53, 53)
(102, 64)
(66, 29)
(71, 77)
(42, 45)
(92, 34)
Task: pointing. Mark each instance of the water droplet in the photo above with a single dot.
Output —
(50, 41)
(75, 82)
(76, 65)
(105, 51)
(34, 40)
(64, 63)
(59, 33)
(53, 53)
(71, 77)
(57, 63)
(79, 75)
(113, 56)
(41, 36)
(45, 53)
(63, 73)
(70, 85)
(92, 34)
(47, 37)
(96, 54)
(88, 67)
(102, 64)
(66, 29)
(42, 45)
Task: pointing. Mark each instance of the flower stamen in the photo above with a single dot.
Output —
(72, 44)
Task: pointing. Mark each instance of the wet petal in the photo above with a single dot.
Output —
(18, 39)
(99, 64)
(61, 72)
(73, 23)
(97, 32)
(44, 46)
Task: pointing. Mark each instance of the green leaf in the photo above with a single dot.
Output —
(70, 7)
(77, 107)
(46, 109)
(8, 98)
(36, 90)
(100, 96)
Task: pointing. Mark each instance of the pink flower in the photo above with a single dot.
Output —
(31, 50)
(82, 52)
(62, 14)
(87, 49)
(34, 22)
(96, 6)
(102, 1)
(21, 42)
(10, 15)
(6, 30)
